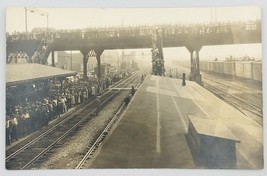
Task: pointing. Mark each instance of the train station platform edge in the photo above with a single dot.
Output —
(152, 132)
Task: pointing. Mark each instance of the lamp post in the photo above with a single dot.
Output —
(26, 18)
(71, 60)
(42, 13)
(46, 14)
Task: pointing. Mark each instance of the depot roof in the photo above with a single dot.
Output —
(23, 73)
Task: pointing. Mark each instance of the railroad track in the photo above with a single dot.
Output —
(100, 139)
(34, 152)
(251, 106)
(94, 146)
(38, 147)
(224, 88)
(247, 108)
(255, 94)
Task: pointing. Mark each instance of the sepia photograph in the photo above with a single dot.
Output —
(134, 88)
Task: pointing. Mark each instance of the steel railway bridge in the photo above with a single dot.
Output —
(193, 37)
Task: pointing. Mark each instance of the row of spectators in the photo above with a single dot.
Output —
(40, 107)
(143, 30)
(36, 35)
(243, 58)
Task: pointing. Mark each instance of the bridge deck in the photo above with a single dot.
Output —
(151, 133)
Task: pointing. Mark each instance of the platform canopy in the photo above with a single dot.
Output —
(23, 73)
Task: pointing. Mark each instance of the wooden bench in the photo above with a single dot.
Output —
(213, 145)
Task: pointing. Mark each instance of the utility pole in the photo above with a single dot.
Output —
(71, 60)
(40, 12)
(26, 18)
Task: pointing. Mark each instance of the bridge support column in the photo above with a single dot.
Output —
(198, 77)
(85, 61)
(191, 50)
(194, 63)
(197, 60)
(98, 55)
(191, 62)
(53, 58)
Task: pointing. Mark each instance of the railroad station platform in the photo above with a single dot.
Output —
(167, 125)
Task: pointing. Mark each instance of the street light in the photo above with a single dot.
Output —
(42, 13)
(46, 14)
(26, 18)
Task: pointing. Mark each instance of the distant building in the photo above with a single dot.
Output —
(105, 69)
(92, 63)
(74, 61)
(110, 62)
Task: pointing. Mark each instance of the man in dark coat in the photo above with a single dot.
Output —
(8, 130)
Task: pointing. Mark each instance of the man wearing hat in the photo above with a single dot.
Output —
(8, 130)
(14, 133)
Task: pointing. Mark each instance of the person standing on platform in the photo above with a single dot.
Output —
(93, 90)
(127, 100)
(59, 107)
(107, 82)
(98, 104)
(14, 129)
(63, 101)
(72, 103)
(68, 103)
(51, 109)
(84, 96)
(44, 115)
(25, 119)
(132, 91)
(79, 96)
(86, 93)
(8, 130)
(17, 114)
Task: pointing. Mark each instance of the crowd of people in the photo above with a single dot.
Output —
(157, 55)
(243, 58)
(47, 101)
(39, 56)
(51, 35)
(140, 30)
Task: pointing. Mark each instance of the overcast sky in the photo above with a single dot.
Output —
(63, 18)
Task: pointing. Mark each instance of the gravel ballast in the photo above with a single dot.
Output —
(72, 151)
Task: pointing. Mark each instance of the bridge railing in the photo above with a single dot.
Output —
(121, 32)
(208, 34)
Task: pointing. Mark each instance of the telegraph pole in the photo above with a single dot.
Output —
(26, 18)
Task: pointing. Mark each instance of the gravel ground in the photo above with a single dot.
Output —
(72, 151)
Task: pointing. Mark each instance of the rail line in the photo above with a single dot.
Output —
(102, 135)
(41, 145)
(252, 107)
(100, 138)
(243, 106)
(34, 150)
(239, 88)
(249, 103)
